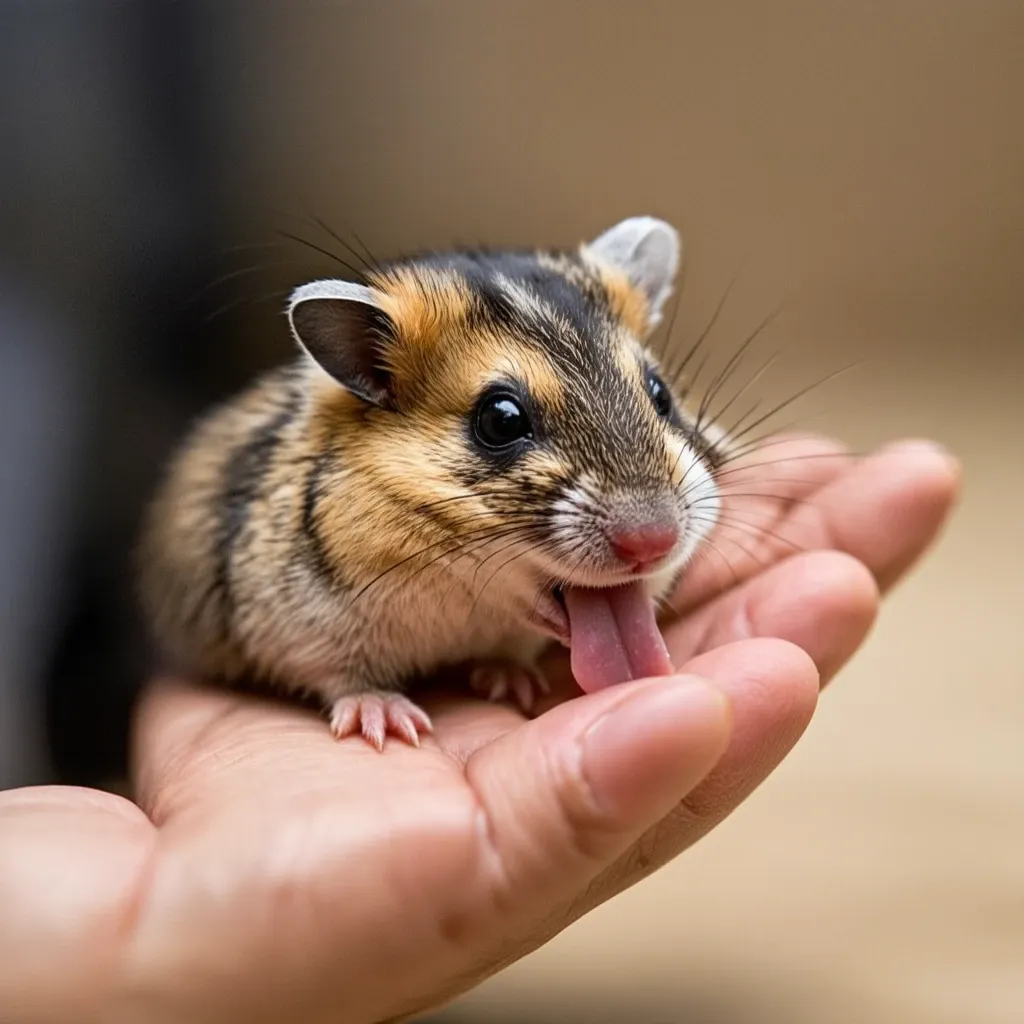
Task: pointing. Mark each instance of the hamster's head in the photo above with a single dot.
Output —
(512, 424)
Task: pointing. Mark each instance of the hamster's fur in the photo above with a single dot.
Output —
(345, 525)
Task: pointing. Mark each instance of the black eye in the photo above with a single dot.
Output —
(500, 421)
(661, 397)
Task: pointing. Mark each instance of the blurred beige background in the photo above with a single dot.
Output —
(864, 160)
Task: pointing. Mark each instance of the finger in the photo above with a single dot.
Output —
(756, 489)
(910, 487)
(71, 863)
(884, 510)
(825, 602)
(772, 689)
(568, 793)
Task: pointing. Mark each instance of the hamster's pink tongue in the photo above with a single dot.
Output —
(614, 636)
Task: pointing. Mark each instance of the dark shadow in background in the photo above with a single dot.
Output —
(108, 179)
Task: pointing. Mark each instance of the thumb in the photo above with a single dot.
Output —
(569, 792)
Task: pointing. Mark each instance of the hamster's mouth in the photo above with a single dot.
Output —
(612, 632)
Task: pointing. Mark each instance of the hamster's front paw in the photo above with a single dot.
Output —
(499, 678)
(377, 713)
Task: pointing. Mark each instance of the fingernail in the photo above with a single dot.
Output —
(920, 446)
(652, 748)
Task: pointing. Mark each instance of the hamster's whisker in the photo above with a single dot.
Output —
(765, 367)
(466, 551)
(781, 428)
(793, 398)
(374, 262)
(422, 551)
(704, 360)
(677, 372)
(709, 545)
(520, 533)
(732, 365)
(746, 467)
(525, 533)
(359, 274)
(663, 349)
(750, 554)
(783, 499)
(743, 472)
(277, 295)
(806, 457)
(230, 250)
(309, 220)
(389, 504)
(240, 272)
(469, 548)
(509, 561)
(459, 550)
(729, 521)
(370, 263)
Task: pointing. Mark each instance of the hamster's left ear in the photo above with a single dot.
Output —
(648, 252)
(342, 327)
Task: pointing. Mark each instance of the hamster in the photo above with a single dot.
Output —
(474, 455)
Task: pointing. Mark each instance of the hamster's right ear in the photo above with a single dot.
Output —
(648, 251)
(345, 331)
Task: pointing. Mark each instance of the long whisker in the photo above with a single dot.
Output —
(373, 261)
(743, 548)
(675, 312)
(755, 529)
(360, 276)
(800, 394)
(480, 593)
(278, 294)
(422, 551)
(767, 365)
(733, 364)
(678, 372)
(470, 551)
(365, 257)
(242, 272)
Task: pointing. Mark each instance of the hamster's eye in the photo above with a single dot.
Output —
(500, 421)
(661, 397)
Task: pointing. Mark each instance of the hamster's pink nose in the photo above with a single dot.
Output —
(644, 543)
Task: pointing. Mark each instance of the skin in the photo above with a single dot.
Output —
(267, 873)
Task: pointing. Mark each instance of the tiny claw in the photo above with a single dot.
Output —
(404, 727)
(503, 678)
(523, 687)
(376, 715)
(419, 717)
(344, 720)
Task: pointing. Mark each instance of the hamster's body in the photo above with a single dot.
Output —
(471, 448)
(251, 583)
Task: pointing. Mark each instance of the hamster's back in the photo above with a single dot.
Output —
(197, 524)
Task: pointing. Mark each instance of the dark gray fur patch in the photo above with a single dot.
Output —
(243, 478)
(313, 541)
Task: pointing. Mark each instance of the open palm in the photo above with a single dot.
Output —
(269, 873)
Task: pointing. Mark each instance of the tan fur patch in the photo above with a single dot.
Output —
(423, 303)
(628, 303)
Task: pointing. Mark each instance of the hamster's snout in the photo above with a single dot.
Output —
(643, 543)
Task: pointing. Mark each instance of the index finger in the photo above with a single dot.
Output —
(884, 510)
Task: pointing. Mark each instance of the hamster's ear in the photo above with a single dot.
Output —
(341, 326)
(648, 252)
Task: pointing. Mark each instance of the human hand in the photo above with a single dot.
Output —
(269, 873)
